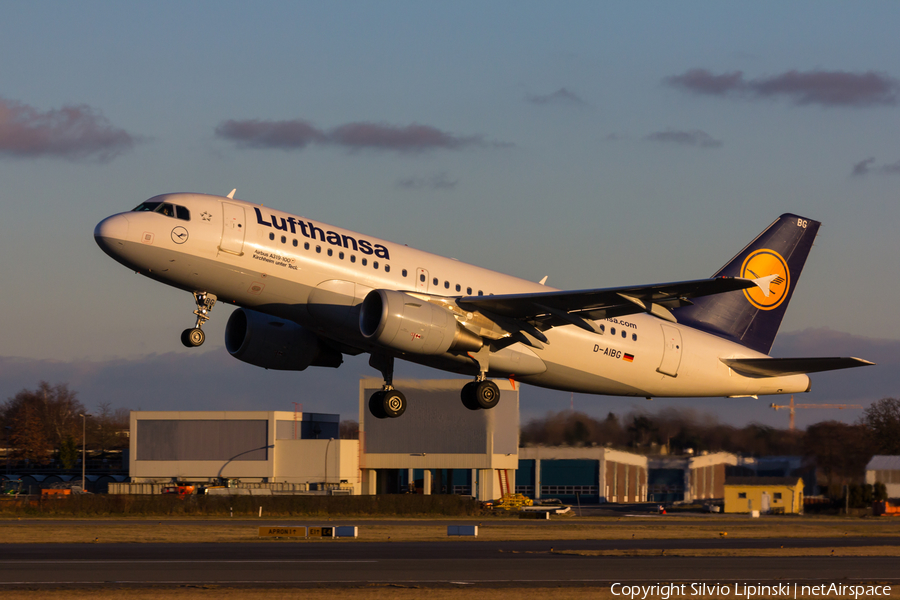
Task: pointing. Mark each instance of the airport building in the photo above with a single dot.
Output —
(775, 495)
(436, 447)
(278, 451)
(886, 470)
(590, 474)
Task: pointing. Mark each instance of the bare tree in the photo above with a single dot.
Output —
(882, 419)
(41, 418)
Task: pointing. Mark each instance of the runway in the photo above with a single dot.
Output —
(346, 563)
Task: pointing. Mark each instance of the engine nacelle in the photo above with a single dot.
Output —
(273, 343)
(403, 322)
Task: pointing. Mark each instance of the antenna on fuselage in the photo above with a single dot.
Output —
(231, 195)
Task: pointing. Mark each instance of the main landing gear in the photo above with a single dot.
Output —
(387, 403)
(195, 337)
(480, 394)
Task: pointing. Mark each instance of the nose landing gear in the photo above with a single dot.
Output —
(195, 337)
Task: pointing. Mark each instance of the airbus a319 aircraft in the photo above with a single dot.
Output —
(309, 292)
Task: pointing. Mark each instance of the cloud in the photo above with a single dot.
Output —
(297, 134)
(438, 181)
(685, 138)
(283, 135)
(561, 97)
(867, 166)
(78, 133)
(825, 88)
(701, 81)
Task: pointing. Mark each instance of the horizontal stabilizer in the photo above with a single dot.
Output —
(774, 367)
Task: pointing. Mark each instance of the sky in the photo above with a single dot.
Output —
(599, 144)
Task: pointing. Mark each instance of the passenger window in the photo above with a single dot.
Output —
(306, 245)
(341, 255)
(602, 328)
(375, 264)
(480, 293)
(634, 336)
(403, 272)
(624, 334)
(422, 277)
(330, 252)
(318, 249)
(283, 240)
(446, 285)
(182, 213)
(458, 288)
(364, 262)
(434, 281)
(612, 330)
(468, 291)
(387, 268)
(295, 243)
(272, 236)
(352, 258)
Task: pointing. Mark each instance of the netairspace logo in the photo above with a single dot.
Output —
(667, 591)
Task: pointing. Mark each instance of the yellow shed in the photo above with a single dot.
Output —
(768, 495)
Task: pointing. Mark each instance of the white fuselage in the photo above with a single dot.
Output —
(317, 275)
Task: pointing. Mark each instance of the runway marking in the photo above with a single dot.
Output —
(410, 581)
(78, 561)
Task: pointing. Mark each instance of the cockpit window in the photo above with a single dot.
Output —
(164, 208)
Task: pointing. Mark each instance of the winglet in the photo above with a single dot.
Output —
(231, 195)
(544, 280)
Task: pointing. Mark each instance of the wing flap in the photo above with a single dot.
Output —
(774, 367)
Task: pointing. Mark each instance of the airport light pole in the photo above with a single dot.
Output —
(83, 450)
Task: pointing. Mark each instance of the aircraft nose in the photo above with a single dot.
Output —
(111, 230)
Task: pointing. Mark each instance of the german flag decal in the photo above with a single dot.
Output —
(628, 357)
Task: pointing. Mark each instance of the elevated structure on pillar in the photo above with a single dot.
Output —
(438, 445)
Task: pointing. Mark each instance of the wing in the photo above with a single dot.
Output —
(773, 367)
(549, 309)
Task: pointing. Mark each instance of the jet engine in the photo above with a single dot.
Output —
(273, 343)
(406, 323)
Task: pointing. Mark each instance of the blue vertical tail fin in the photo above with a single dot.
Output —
(750, 317)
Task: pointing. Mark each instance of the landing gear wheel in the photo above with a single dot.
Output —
(393, 403)
(486, 394)
(193, 337)
(468, 396)
(376, 405)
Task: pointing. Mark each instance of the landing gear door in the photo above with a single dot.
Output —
(422, 281)
(233, 227)
(672, 349)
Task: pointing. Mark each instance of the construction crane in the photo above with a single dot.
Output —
(792, 406)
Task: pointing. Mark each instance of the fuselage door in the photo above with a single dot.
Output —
(422, 281)
(672, 349)
(233, 227)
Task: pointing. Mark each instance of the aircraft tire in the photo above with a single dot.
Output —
(487, 394)
(376, 405)
(193, 337)
(468, 396)
(393, 404)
